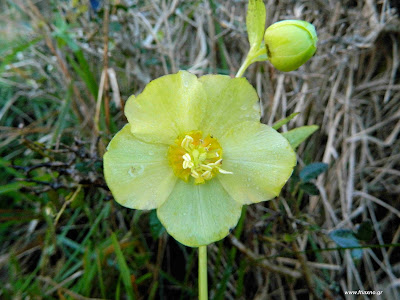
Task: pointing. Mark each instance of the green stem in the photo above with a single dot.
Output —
(251, 57)
(244, 66)
(203, 288)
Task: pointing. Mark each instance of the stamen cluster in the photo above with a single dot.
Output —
(191, 155)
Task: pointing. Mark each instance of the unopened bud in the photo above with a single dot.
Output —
(290, 44)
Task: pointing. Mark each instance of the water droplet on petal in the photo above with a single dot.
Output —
(135, 171)
(131, 171)
(140, 169)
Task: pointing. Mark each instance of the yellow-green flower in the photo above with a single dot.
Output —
(195, 150)
(290, 44)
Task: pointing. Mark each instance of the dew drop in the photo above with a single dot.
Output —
(140, 169)
(131, 171)
(243, 107)
(135, 171)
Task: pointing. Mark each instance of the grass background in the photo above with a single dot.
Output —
(66, 69)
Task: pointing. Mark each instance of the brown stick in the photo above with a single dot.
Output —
(263, 262)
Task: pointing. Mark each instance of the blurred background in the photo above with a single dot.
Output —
(67, 68)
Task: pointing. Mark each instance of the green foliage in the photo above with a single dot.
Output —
(364, 231)
(307, 174)
(309, 188)
(298, 135)
(346, 238)
(284, 121)
(157, 229)
(312, 171)
(123, 267)
(255, 22)
(10, 57)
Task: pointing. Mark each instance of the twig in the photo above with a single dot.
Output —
(262, 262)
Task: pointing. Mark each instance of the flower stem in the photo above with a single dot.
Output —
(252, 56)
(243, 67)
(203, 288)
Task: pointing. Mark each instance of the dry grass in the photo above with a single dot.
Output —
(350, 88)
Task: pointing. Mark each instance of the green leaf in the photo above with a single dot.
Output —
(156, 228)
(365, 231)
(345, 238)
(255, 22)
(289, 237)
(294, 181)
(125, 273)
(10, 187)
(63, 33)
(310, 188)
(82, 68)
(20, 48)
(63, 114)
(78, 198)
(312, 171)
(298, 135)
(282, 122)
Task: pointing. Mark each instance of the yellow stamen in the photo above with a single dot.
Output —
(187, 161)
(193, 156)
(186, 142)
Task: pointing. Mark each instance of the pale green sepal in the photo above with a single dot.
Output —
(167, 107)
(261, 160)
(137, 173)
(230, 101)
(199, 214)
(300, 134)
(284, 121)
(255, 22)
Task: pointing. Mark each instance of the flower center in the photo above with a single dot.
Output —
(191, 155)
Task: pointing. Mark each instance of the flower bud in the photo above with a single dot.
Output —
(290, 44)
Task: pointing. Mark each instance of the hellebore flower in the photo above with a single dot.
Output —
(195, 150)
(290, 44)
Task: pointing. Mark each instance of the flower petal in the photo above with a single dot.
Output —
(137, 173)
(197, 215)
(261, 160)
(230, 101)
(168, 106)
